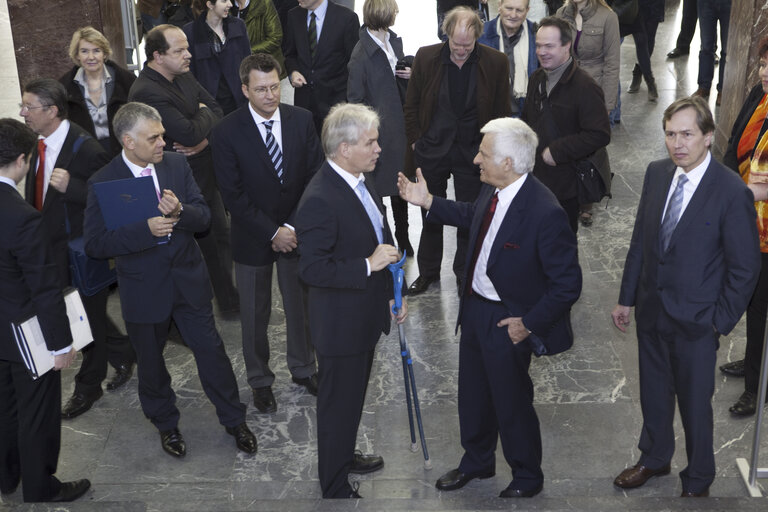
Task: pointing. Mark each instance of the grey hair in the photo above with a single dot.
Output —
(130, 114)
(346, 122)
(515, 140)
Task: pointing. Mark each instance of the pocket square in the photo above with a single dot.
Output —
(510, 245)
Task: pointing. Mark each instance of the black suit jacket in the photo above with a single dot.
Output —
(252, 192)
(326, 75)
(150, 275)
(533, 264)
(29, 284)
(58, 208)
(348, 310)
(707, 275)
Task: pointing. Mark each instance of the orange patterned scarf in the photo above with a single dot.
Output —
(756, 165)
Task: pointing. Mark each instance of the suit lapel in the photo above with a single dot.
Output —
(253, 135)
(660, 198)
(512, 220)
(697, 202)
(351, 198)
(63, 160)
(286, 125)
(482, 204)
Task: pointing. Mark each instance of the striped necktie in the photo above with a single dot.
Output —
(674, 208)
(274, 150)
(312, 35)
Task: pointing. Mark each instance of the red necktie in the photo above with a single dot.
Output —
(480, 238)
(40, 174)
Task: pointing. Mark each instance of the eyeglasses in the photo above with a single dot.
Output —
(262, 91)
(27, 108)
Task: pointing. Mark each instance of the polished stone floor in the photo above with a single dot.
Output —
(587, 398)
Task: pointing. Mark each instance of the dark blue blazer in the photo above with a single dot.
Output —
(150, 275)
(250, 188)
(29, 284)
(348, 310)
(533, 265)
(707, 275)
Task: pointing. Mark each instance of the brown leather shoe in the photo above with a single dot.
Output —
(691, 494)
(702, 93)
(637, 475)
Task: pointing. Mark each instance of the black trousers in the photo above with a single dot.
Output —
(30, 431)
(674, 366)
(756, 317)
(466, 183)
(342, 383)
(687, 25)
(496, 397)
(197, 327)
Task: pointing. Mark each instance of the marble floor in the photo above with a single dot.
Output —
(587, 398)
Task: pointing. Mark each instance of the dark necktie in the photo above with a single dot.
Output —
(312, 35)
(274, 150)
(672, 215)
(40, 174)
(480, 238)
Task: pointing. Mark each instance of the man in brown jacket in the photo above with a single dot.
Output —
(455, 88)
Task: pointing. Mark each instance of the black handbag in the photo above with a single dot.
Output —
(591, 186)
(626, 10)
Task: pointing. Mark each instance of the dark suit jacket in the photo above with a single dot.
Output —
(707, 275)
(348, 310)
(249, 185)
(533, 265)
(29, 283)
(149, 275)
(58, 208)
(326, 75)
(184, 121)
(117, 96)
(424, 85)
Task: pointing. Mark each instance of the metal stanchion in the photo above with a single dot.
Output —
(749, 470)
(130, 34)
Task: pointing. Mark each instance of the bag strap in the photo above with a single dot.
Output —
(75, 148)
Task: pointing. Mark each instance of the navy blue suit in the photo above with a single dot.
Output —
(533, 266)
(30, 410)
(685, 298)
(160, 282)
(348, 311)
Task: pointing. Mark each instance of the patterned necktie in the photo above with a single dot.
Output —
(672, 215)
(40, 174)
(480, 238)
(312, 34)
(274, 150)
(148, 172)
(370, 208)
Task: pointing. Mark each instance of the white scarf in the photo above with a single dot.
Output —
(520, 54)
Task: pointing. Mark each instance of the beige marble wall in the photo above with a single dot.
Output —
(9, 77)
(749, 23)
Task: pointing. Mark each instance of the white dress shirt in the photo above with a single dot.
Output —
(694, 178)
(53, 144)
(319, 17)
(136, 170)
(386, 47)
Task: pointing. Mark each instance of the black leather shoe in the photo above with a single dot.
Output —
(362, 464)
(455, 479)
(173, 442)
(510, 492)
(123, 373)
(677, 52)
(691, 494)
(637, 475)
(78, 404)
(70, 491)
(420, 285)
(746, 405)
(734, 368)
(244, 438)
(308, 382)
(264, 400)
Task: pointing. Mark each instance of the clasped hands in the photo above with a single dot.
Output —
(170, 207)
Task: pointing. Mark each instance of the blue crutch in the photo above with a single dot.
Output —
(408, 377)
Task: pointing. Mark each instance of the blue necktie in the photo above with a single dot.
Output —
(672, 215)
(274, 150)
(370, 208)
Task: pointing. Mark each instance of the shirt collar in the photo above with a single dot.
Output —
(135, 169)
(320, 11)
(346, 176)
(8, 181)
(696, 174)
(56, 139)
(80, 76)
(258, 119)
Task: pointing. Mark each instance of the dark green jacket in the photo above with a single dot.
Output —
(265, 31)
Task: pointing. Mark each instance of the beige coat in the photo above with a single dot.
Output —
(598, 51)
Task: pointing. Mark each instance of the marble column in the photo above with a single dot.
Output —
(749, 24)
(42, 31)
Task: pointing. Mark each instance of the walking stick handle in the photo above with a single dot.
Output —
(397, 277)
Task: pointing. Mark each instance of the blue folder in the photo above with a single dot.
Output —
(127, 201)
